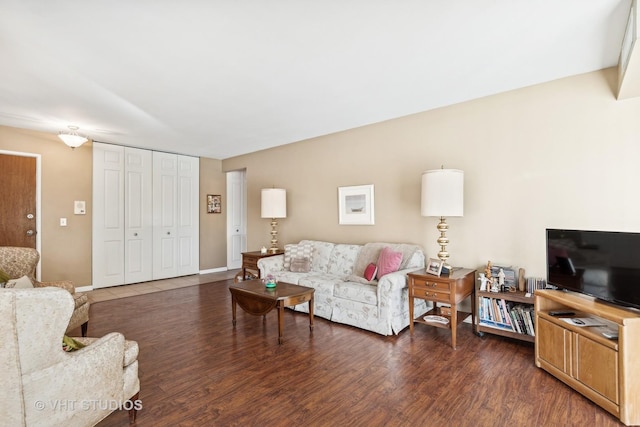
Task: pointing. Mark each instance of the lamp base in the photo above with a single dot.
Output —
(274, 237)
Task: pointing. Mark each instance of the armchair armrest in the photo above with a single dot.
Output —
(89, 376)
(63, 284)
(271, 265)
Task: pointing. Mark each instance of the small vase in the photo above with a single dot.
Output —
(270, 284)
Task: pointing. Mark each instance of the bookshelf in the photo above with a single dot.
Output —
(493, 309)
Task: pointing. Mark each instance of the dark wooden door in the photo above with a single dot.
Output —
(17, 201)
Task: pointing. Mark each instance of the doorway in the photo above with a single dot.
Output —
(20, 192)
(236, 218)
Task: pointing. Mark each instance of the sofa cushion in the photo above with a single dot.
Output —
(388, 262)
(370, 271)
(292, 251)
(367, 294)
(300, 265)
(321, 254)
(22, 283)
(342, 259)
(4, 277)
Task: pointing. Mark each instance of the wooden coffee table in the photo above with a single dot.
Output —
(256, 299)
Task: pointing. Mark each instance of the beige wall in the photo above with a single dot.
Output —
(67, 176)
(213, 227)
(562, 154)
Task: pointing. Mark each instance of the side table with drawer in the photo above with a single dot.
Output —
(250, 268)
(451, 289)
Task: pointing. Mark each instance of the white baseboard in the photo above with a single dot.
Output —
(214, 270)
(211, 270)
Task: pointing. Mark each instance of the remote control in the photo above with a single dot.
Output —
(561, 313)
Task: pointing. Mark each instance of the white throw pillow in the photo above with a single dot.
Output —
(22, 283)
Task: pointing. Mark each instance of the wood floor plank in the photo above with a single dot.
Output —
(196, 370)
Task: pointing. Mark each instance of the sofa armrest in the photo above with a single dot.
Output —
(394, 281)
(271, 265)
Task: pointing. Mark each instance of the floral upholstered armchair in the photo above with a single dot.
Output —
(43, 385)
(17, 262)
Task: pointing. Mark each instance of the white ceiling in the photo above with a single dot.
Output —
(221, 78)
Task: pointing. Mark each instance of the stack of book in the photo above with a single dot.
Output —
(506, 315)
(534, 283)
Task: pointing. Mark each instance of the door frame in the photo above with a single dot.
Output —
(38, 158)
(242, 203)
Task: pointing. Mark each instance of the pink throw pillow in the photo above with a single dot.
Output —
(388, 262)
(370, 272)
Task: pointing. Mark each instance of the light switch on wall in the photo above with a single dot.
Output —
(63, 222)
(79, 207)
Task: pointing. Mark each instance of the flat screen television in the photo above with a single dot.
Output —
(603, 264)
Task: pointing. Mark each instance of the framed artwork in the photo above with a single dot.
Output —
(434, 266)
(214, 203)
(355, 205)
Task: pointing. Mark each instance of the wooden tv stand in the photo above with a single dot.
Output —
(603, 370)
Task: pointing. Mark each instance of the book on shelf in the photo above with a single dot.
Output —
(506, 315)
(496, 325)
(533, 283)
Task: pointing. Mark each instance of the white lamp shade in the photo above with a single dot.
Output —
(274, 203)
(442, 192)
(72, 140)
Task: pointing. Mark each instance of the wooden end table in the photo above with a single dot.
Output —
(255, 298)
(250, 264)
(451, 289)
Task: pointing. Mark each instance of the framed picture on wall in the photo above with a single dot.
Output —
(214, 203)
(355, 205)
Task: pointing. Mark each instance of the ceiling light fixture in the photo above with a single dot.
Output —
(71, 137)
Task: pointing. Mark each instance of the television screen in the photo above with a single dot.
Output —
(603, 264)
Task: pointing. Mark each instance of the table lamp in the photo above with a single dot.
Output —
(442, 196)
(274, 205)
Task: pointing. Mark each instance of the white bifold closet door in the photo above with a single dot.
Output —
(131, 193)
(175, 215)
(122, 239)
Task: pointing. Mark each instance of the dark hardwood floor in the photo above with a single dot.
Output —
(196, 370)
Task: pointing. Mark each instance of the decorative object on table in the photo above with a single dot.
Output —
(356, 205)
(501, 280)
(214, 203)
(274, 205)
(492, 281)
(269, 281)
(443, 196)
(483, 282)
(263, 250)
(434, 266)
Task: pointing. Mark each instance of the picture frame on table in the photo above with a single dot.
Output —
(356, 205)
(434, 266)
(214, 203)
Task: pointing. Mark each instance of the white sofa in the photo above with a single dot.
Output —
(343, 295)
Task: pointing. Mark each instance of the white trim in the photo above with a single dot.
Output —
(213, 270)
(84, 288)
